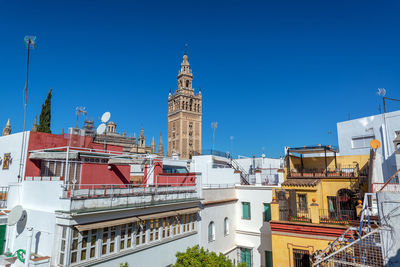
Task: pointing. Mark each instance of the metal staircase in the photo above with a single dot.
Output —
(357, 246)
(244, 175)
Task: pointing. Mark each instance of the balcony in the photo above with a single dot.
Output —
(295, 216)
(56, 194)
(342, 217)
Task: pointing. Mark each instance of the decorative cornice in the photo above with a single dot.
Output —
(308, 229)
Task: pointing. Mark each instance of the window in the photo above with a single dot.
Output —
(226, 226)
(246, 211)
(62, 248)
(57, 168)
(108, 245)
(301, 258)
(174, 169)
(96, 243)
(245, 256)
(267, 212)
(268, 259)
(302, 202)
(332, 206)
(361, 141)
(211, 232)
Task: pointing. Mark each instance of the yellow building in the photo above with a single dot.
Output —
(316, 203)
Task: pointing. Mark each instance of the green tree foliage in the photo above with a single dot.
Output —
(45, 115)
(198, 257)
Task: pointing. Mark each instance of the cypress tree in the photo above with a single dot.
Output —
(45, 115)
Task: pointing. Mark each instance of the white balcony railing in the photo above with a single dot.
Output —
(97, 196)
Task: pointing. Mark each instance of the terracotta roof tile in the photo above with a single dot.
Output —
(301, 182)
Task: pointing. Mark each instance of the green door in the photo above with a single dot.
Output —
(2, 237)
(245, 256)
(268, 259)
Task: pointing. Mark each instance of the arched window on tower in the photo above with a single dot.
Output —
(187, 83)
(186, 105)
(183, 104)
(191, 104)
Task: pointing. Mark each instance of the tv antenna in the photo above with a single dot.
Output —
(102, 127)
(79, 110)
(214, 125)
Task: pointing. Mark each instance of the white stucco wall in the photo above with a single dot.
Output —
(217, 213)
(156, 256)
(383, 127)
(254, 233)
(210, 175)
(12, 144)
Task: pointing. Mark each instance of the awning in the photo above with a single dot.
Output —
(158, 215)
(98, 225)
(54, 155)
(118, 161)
(188, 211)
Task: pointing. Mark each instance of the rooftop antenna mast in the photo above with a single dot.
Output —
(78, 111)
(214, 125)
(30, 43)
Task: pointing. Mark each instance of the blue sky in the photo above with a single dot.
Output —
(272, 73)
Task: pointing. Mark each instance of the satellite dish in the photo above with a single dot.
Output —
(15, 215)
(375, 144)
(106, 116)
(101, 129)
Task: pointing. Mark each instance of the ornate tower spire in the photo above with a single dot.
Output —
(141, 138)
(185, 76)
(35, 125)
(184, 115)
(153, 146)
(160, 146)
(7, 129)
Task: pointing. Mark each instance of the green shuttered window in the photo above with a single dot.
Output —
(246, 210)
(267, 212)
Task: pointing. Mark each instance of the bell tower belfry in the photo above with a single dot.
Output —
(184, 115)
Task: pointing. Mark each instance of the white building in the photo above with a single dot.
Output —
(81, 210)
(235, 216)
(354, 137)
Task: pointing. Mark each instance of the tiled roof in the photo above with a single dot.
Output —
(301, 182)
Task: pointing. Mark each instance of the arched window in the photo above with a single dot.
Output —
(226, 226)
(211, 232)
(187, 83)
(191, 104)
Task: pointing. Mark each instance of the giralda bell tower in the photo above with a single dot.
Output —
(184, 115)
